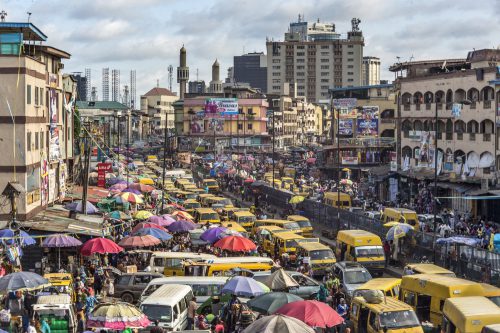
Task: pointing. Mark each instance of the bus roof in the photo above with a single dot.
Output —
(205, 210)
(429, 269)
(470, 314)
(297, 218)
(186, 255)
(168, 294)
(240, 213)
(443, 286)
(287, 235)
(380, 283)
(359, 237)
(312, 246)
(399, 210)
(388, 305)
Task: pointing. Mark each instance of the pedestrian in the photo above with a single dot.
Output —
(387, 252)
(80, 326)
(157, 328)
(343, 308)
(192, 307)
(31, 327)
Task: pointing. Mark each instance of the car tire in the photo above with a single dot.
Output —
(128, 298)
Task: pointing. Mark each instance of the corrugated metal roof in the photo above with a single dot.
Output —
(101, 105)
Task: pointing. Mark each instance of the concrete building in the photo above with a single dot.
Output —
(371, 71)
(115, 85)
(182, 72)
(465, 94)
(309, 123)
(105, 84)
(197, 87)
(315, 58)
(251, 68)
(216, 83)
(157, 106)
(81, 83)
(37, 149)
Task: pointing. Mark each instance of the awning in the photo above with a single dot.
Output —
(458, 187)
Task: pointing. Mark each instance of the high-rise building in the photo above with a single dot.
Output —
(197, 87)
(81, 86)
(133, 91)
(315, 58)
(88, 77)
(115, 85)
(371, 71)
(105, 84)
(251, 68)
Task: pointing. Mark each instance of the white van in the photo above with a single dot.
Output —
(170, 263)
(177, 173)
(203, 286)
(58, 311)
(168, 305)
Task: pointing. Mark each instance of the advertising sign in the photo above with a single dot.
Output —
(52, 185)
(197, 125)
(54, 148)
(62, 180)
(348, 103)
(349, 160)
(102, 169)
(221, 106)
(216, 125)
(184, 158)
(44, 184)
(345, 127)
(425, 155)
(367, 122)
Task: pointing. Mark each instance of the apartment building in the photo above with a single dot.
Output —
(455, 101)
(371, 71)
(315, 58)
(36, 118)
(158, 110)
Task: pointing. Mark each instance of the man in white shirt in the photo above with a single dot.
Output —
(31, 327)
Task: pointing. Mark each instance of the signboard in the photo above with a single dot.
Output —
(184, 158)
(102, 169)
(348, 103)
(349, 160)
(456, 110)
(345, 127)
(52, 185)
(367, 121)
(425, 155)
(221, 106)
(216, 125)
(197, 125)
(54, 148)
(53, 80)
(62, 180)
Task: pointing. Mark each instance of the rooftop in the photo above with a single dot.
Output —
(375, 86)
(157, 91)
(29, 30)
(101, 105)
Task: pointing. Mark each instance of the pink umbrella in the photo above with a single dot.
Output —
(160, 221)
(168, 218)
(139, 241)
(118, 187)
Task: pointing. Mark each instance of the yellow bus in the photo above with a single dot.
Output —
(389, 286)
(211, 184)
(206, 215)
(190, 205)
(283, 242)
(402, 215)
(361, 246)
(390, 315)
(321, 257)
(226, 266)
(171, 263)
(428, 269)
(234, 226)
(245, 219)
(304, 223)
(335, 200)
(284, 224)
(469, 314)
(426, 293)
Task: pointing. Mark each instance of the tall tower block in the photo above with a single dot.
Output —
(182, 73)
(216, 83)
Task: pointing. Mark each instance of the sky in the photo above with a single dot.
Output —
(146, 35)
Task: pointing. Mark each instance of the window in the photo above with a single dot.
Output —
(69, 134)
(249, 126)
(41, 140)
(301, 74)
(41, 96)
(250, 111)
(324, 53)
(324, 73)
(350, 66)
(28, 94)
(301, 54)
(409, 298)
(350, 73)
(276, 61)
(47, 136)
(300, 47)
(325, 67)
(325, 60)
(240, 126)
(300, 60)
(36, 140)
(325, 47)
(276, 87)
(324, 80)
(300, 87)
(372, 320)
(350, 59)
(276, 67)
(350, 53)
(28, 141)
(36, 96)
(350, 80)
(350, 46)
(324, 87)
(276, 80)
(300, 67)
(300, 80)
(276, 74)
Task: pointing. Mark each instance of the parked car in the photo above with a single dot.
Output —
(308, 288)
(373, 215)
(129, 286)
(351, 275)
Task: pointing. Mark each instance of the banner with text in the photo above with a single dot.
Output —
(221, 106)
(367, 121)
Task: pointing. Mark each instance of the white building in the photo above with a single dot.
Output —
(157, 105)
(371, 71)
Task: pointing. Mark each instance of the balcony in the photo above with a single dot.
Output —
(417, 107)
(439, 106)
(449, 136)
(406, 107)
(472, 136)
(486, 137)
(428, 106)
(487, 104)
(472, 106)
(460, 136)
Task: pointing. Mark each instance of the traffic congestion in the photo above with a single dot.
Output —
(202, 248)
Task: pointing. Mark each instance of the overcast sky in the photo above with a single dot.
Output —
(146, 35)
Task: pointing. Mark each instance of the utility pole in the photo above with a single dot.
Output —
(164, 167)
(86, 167)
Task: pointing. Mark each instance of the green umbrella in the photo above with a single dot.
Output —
(270, 302)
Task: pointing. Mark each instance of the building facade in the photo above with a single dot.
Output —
(252, 69)
(371, 71)
(157, 106)
(197, 87)
(315, 61)
(453, 100)
(81, 83)
(37, 148)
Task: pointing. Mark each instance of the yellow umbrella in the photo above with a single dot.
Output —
(131, 197)
(142, 215)
(146, 181)
(184, 215)
(396, 223)
(297, 199)
(346, 169)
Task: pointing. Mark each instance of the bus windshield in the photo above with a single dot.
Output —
(304, 224)
(369, 251)
(321, 254)
(292, 226)
(209, 216)
(157, 312)
(398, 319)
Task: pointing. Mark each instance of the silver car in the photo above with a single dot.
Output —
(351, 275)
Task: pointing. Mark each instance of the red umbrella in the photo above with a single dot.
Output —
(139, 241)
(100, 245)
(235, 244)
(142, 187)
(311, 160)
(249, 180)
(313, 313)
(148, 225)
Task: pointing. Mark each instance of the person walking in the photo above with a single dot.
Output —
(192, 307)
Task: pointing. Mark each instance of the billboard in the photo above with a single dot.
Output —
(348, 103)
(345, 127)
(197, 125)
(367, 121)
(216, 125)
(54, 148)
(221, 106)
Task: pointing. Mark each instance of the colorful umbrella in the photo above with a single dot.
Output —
(139, 241)
(183, 215)
(22, 281)
(212, 234)
(160, 221)
(280, 280)
(168, 218)
(147, 225)
(77, 206)
(297, 199)
(118, 187)
(398, 231)
(243, 286)
(278, 323)
(131, 190)
(131, 197)
(313, 313)
(7, 236)
(60, 240)
(142, 187)
(158, 233)
(270, 302)
(181, 226)
(146, 181)
(118, 215)
(142, 215)
(100, 245)
(117, 316)
(235, 244)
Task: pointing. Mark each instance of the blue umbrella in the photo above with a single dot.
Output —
(243, 286)
(398, 231)
(24, 237)
(212, 235)
(77, 206)
(158, 233)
